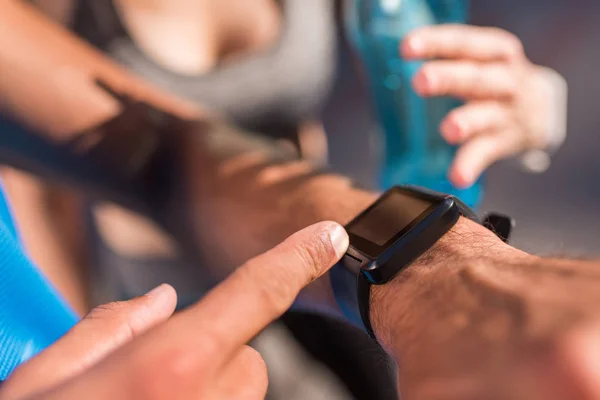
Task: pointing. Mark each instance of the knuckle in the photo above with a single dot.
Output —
(255, 364)
(498, 79)
(513, 44)
(274, 293)
(256, 374)
(176, 369)
(108, 310)
(315, 256)
(472, 39)
(477, 75)
(512, 89)
(509, 81)
(117, 311)
(118, 314)
(277, 297)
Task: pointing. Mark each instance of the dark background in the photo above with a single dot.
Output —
(556, 212)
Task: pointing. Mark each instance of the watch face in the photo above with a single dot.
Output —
(391, 217)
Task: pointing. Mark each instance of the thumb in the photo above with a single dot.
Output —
(103, 330)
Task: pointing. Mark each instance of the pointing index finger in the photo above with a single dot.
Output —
(263, 288)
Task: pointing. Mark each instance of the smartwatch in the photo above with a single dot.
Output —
(390, 235)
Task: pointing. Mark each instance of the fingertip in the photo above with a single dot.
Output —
(423, 82)
(461, 178)
(412, 47)
(160, 290)
(163, 296)
(453, 130)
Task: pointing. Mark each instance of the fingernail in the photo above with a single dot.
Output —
(423, 82)
(459, 179)
(457, 130)
(466, 180)
(414, 46)
(339, 239)
(158, 291)
(450, 131)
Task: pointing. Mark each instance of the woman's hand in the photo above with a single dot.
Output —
(134, 349)
(511, 105)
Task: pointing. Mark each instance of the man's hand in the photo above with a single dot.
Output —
(129, 350)
(511, 105)
(477, 319)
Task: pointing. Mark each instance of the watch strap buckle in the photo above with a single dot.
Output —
(502, 225)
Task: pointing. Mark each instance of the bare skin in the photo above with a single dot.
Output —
(134, 349)
(49, 225)
(473, 318)
(197, 36)
(502, 324)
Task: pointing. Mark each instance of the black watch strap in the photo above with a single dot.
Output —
(353, 294)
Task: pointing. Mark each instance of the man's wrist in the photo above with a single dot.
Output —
(395, 307)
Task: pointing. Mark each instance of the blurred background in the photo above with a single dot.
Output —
(556, 212)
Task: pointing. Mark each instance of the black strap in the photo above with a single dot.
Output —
(502, 225)
(352, 293)
(344, 283)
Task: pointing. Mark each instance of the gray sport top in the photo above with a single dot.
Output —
(269, 91)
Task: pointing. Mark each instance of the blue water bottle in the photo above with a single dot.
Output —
(414, 151)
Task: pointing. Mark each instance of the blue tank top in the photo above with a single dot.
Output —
(32, 313)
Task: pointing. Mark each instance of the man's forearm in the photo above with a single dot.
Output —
(250, 192)
(476, 318)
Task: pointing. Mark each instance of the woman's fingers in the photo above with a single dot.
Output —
(474, 118)
(477, 154)
(465, 80)
(462, 42)
(103, 330)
